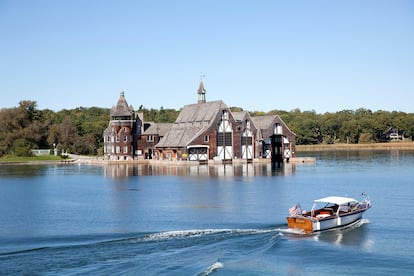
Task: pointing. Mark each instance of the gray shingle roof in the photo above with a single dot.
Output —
(200, 112)
(122, 108)
(192, 120)
(158, 128)
(264, 124)
(239, 115)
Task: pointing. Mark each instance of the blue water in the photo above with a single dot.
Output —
(222, 220)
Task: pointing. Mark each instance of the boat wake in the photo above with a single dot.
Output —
(290, 231)
(194, 251)
(211, 269)
(196, 233)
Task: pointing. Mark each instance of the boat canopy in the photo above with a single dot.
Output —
(336, 200)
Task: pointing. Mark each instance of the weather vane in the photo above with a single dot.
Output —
(202, 76)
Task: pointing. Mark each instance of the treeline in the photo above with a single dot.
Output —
(80, 130)
(346, 126)
(76, 130)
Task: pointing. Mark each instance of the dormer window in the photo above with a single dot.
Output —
(277, 129)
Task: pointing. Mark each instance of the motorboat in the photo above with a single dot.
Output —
(328, 212)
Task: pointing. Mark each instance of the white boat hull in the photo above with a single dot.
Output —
(333, 222)
(338, 212)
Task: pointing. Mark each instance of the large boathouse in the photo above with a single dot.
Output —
(202, 131)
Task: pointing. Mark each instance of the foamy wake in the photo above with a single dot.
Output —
(291, 231)
(212, 268)
(180, 234)
(363, 221)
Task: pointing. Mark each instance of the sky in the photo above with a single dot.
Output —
(324, 56)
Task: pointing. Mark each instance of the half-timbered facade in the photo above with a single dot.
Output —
(209, 130)
(245, 141)
(267, 125)
(201, 132)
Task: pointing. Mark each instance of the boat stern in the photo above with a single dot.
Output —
(300, 223)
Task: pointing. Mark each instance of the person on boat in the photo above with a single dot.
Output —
(344, 208)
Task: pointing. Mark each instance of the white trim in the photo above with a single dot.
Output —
(336, 200)
(198, 146)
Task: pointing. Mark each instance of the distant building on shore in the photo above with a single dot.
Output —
(124, 127)
(202, 131)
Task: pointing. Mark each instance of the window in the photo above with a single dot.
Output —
(117, 138)
(224, 139)
(247, 123)
(118, 150)
(125, 138)
(246, 140)
(125, 149)
(277, 129)
(206, 138)
(198, 150)
(150, 138)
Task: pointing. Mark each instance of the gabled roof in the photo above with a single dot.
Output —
(240, 115)
(263, 123)
(201, 112)
(192, 120)
(158, 128)
(122, 108)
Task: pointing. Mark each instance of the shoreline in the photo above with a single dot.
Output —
(357, 147)
(93, 160)
(78, 159)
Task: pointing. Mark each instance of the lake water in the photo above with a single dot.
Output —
(222, 220)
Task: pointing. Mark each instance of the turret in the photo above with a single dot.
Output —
(201, 93)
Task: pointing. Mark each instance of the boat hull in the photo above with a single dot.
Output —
(311, 224)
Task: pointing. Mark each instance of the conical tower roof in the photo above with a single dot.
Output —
(122, 108)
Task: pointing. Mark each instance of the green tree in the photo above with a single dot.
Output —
(22, 147)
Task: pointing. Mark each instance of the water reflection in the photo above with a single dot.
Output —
(357, 235)
(226, 170)
(22, 171)
(391, 155)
